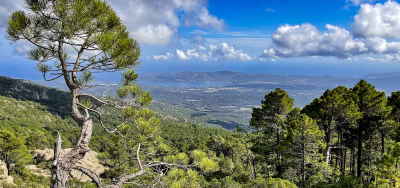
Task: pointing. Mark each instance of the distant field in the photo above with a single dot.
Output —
(226, 99)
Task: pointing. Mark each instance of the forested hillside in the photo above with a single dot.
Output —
(329, 143)
(348, 137)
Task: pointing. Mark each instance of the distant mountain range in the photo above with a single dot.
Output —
(387, 81)
(221, 98)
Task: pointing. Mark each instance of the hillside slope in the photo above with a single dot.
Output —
(56, 101)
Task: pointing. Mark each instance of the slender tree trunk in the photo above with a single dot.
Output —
(342, 154)
(279, 155)
(382, 143)
(253, 161)
(328, 142)
(344, 162)
(353, 161)
(359, 154)
(303, 174)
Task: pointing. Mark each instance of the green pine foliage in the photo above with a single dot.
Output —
(288, 148)
(348, 137)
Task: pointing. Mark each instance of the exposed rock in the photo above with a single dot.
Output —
(90, 162)
(39, 171)
(4, 178)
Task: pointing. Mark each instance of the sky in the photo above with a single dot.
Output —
(312, 37)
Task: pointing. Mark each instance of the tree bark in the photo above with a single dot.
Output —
(359, 154)
(65, 163)
(382, 143)
(328, 133)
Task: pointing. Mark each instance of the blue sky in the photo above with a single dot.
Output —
(312, 37)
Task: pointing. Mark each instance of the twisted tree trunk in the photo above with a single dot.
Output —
(64, 163)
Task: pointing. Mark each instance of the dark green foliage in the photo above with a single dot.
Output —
(13, 152)
(373, 106)
(275, 105)
(32, 122)
(230, 158)
(270, 144)
(54, 100)
(305, 141)
(65, 21)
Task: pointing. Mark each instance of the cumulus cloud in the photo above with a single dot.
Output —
(380, 20)
(149, 21)
(211, 52)
(153, 34)
(156, 22)
(165, 56)
(307, 40)
(375, 32)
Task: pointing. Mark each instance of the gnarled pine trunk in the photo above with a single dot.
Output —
(65, 162)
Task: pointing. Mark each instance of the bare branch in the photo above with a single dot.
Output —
(138, 157)
(92, 175)
(155, 164)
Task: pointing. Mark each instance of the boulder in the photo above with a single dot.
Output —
(4, 177)
(90, 162)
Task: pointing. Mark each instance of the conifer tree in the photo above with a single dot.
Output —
(373, 106)
(13, 151)
(73, 40)
(269, 120)
(305, 143)
(336, 112)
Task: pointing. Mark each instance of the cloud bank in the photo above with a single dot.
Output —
(375, 32)
(210, 52)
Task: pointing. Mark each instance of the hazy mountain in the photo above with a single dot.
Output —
(221, 98)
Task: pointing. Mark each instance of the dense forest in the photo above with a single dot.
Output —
(348, 137)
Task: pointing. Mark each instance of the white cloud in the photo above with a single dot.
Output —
(307, 40)
(210, 52)
(374, 33)
(182, 55)
(156, 22)
(226, 51)
(153, 34)
(149, 21)
(205, 19)
(380, 20)
(164, 57)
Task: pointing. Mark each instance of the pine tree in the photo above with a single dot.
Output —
(336, 112)
(13, 151)
(73, 40)
(269, 120)
(373, 106)
(305, 143)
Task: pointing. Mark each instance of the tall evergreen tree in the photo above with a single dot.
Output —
(335, 112)
(373, 106)
(305, 143)
(269, 120)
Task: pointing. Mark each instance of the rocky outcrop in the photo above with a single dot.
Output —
(90, 162)
(4, 177)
